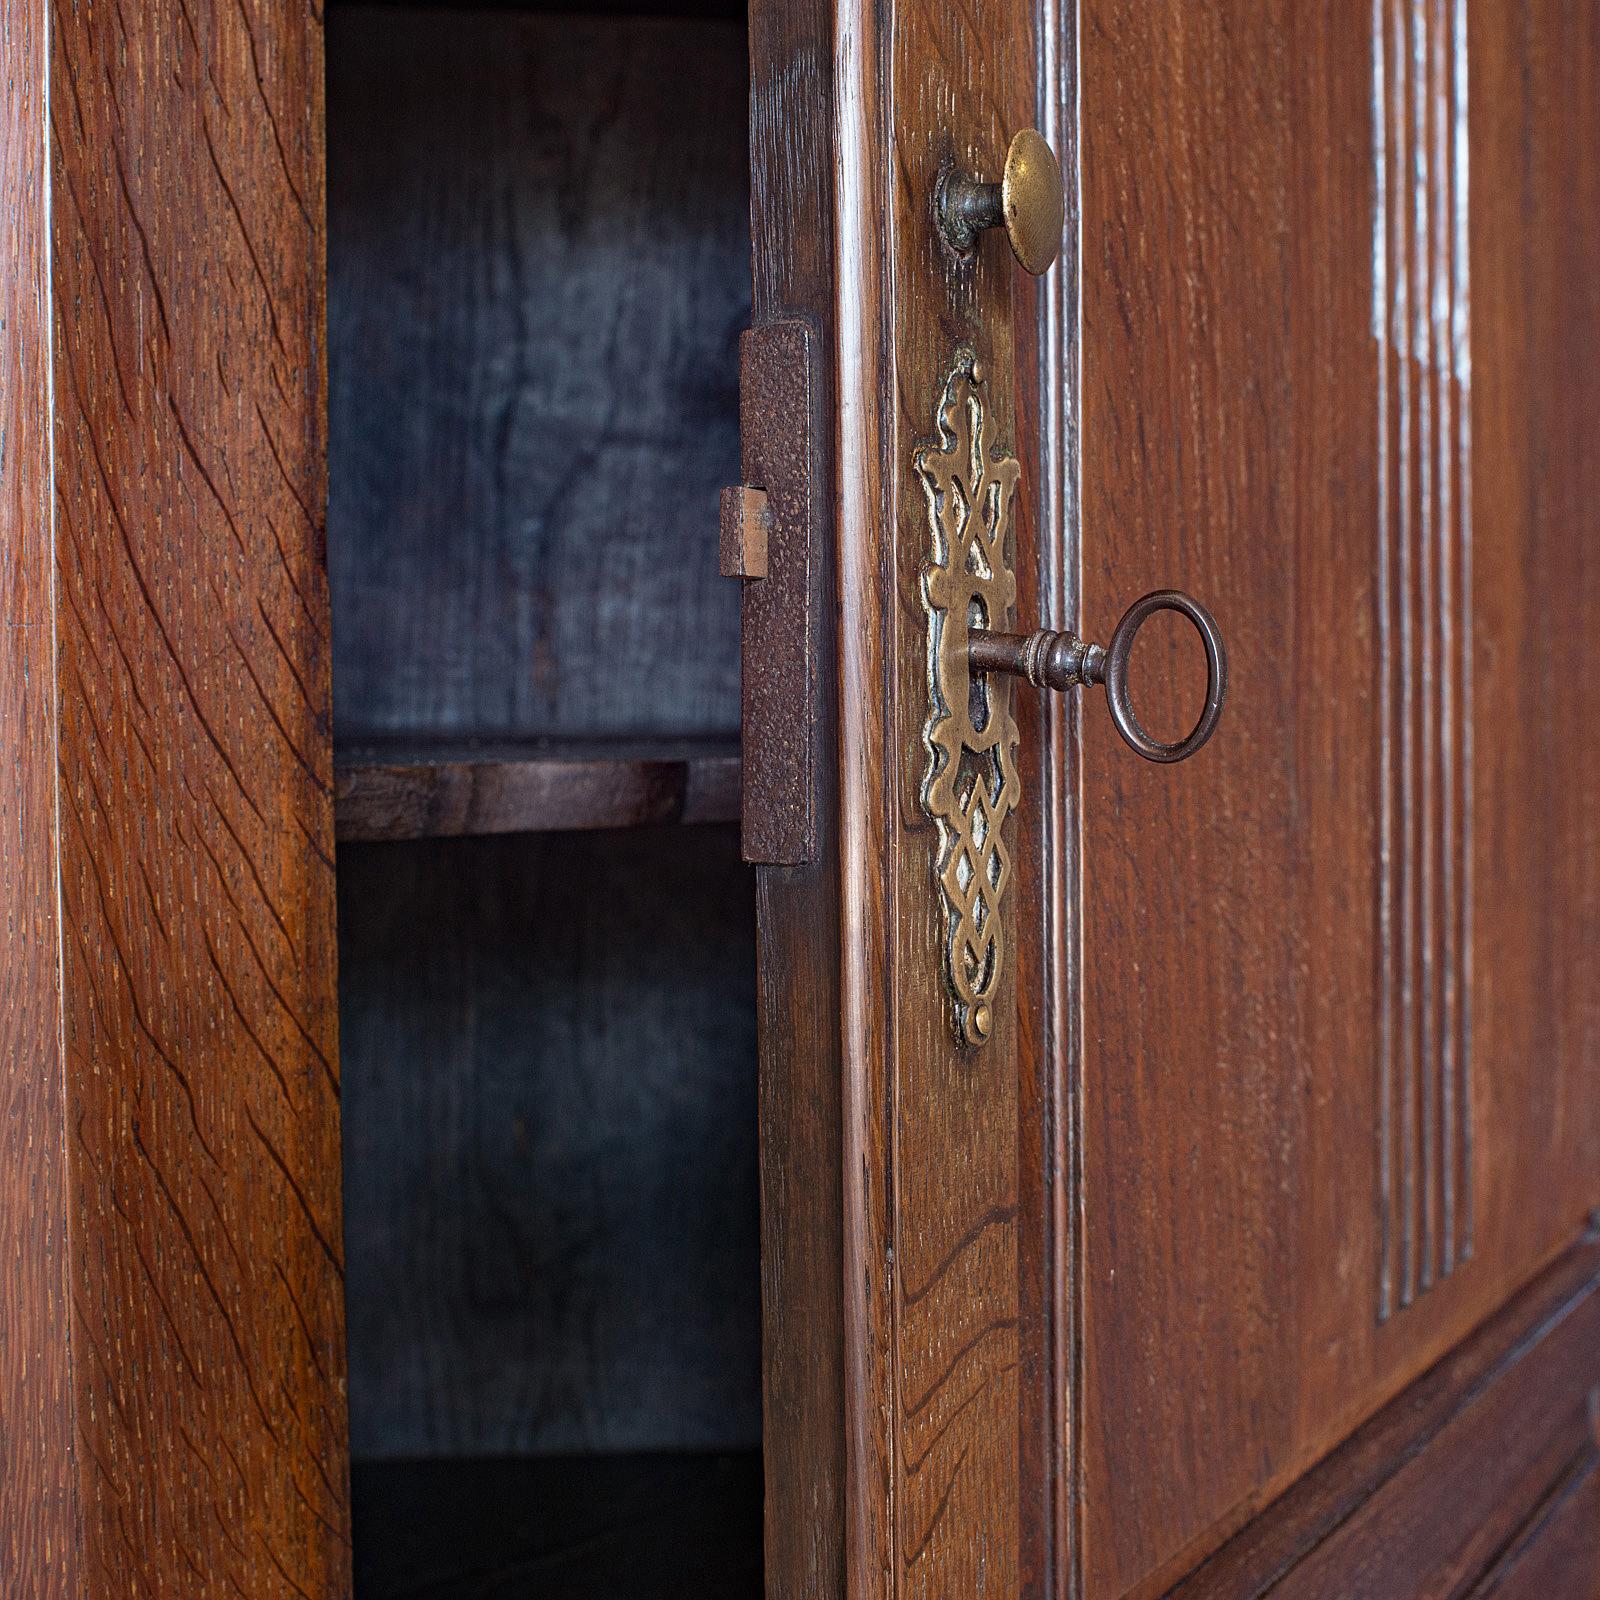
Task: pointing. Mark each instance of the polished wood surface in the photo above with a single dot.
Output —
(1536, 595)
(1254, 1254)
(411, 789)
(173, 1329)
(1338, 1085)
(1229, 449)
(39, 1483)
(933, 1129)
(1424, 638)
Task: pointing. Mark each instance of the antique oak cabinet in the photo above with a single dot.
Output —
(591, 1002)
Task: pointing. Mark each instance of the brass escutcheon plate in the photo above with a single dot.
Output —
(971, 784)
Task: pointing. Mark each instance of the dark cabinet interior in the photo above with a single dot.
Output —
(539, 266)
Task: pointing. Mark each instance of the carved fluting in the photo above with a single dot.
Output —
(971, 784)
(1420, 321)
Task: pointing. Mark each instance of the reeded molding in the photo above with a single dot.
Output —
(1424, 547)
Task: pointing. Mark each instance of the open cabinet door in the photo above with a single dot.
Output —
(1179, 1175)
(911, 1228)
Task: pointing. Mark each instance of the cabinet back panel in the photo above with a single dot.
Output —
(550, 1144)
(538, 271)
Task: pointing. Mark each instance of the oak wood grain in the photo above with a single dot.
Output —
(923, 1396)
(196, 1056)
(1536, 585)
(39, 1517)
(1306, 998)
(1229, 449)
(1450, 1475)
(932, 1129)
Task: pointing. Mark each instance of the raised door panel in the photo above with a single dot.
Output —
(1339, 1078)
(1292, 1081)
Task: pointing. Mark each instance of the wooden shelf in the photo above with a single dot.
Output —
(410, 789)
(729, 10)
(651, 1527)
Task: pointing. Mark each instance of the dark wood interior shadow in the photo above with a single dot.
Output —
(551, 1215)
(653, 1527)
(539, 268)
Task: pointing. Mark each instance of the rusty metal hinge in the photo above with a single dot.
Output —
(770, 540)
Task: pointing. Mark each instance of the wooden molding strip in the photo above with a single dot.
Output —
(1420, 320)
(1440, 1481)
(1556, 1548)
(40, 1507)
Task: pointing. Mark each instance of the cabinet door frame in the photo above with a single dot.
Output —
(901, 1457)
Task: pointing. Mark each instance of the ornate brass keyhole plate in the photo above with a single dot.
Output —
(968, 590)
(971, 785)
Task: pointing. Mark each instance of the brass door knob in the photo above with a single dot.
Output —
(1028, 203)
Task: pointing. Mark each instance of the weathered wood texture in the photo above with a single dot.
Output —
(1285, 938)
(778, 613)
(39, 1520)
(173, 1142)
(409, 789)
(538, 276)
(1470, 1465)
(550, 1144)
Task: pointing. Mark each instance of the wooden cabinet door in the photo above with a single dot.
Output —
(172, 1383)
(1254, 1249)
(1339, 1087)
